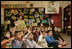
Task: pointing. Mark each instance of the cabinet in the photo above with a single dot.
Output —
(67, 19)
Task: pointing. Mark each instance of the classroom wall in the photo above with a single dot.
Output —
(37, 3)
(62, 4)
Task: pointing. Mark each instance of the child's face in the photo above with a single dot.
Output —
(18, 35)
(56, 29)
(46, 29)
(20, 17)
(22, 33)
(50, 33)
(41, 24)
(11, 29)
(31, 36)
(38, 29)
(7, 35)
(44, 35)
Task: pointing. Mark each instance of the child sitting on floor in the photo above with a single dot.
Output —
(29, 42)
(51, 41)
(7, 40)
(41, 41)
(58, 36)
(17, 43)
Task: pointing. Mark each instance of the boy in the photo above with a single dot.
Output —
(41, 41)
(51, 41)
(30, 43)
(46, 29)
(57, 35)
(49, 28)
(17, 40)
(7, 41)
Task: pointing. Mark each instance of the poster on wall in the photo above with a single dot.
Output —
(28, 24)
(36, 15)
(37, 20)
(34, 24)
(48, 20)
(52, 8)
(32, 20)
(44, 21)
(28, 14)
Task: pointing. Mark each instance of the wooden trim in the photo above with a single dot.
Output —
(4, 15)
(24, 7)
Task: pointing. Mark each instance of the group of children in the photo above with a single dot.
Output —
(35, 37)
(21, 36)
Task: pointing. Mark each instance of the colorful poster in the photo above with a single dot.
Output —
(26, 10)
(46, 16)
(21, 13)
(28, 24)
(26, 20)
(31, 16)
(34, 24)
(44, 21)
(19, 10)
(12, 11)
(32, 20)
(8, 14)
(41, 17)
(13, 17)
(32, 10)
(15, 12)
(48, 20)
(36, 15)
(41, 12)
(37, 20)
(25, 16)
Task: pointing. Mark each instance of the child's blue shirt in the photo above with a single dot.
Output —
(49, 39)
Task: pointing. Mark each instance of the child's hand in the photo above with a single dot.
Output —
(13, 32)
(34, 30)
(16, 23)
(11, 29)
(12, 38)
(29, 31)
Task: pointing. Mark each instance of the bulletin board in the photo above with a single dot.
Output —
(35, 15)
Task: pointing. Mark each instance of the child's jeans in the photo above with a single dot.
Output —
(53, 44)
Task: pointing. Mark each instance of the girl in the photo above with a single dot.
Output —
(6, 42)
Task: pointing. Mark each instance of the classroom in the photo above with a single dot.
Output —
(35, 24)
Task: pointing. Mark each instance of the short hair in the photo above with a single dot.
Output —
(42, 31)
(48, 31)
(6, 32)
(16, 32)
(55, 27)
